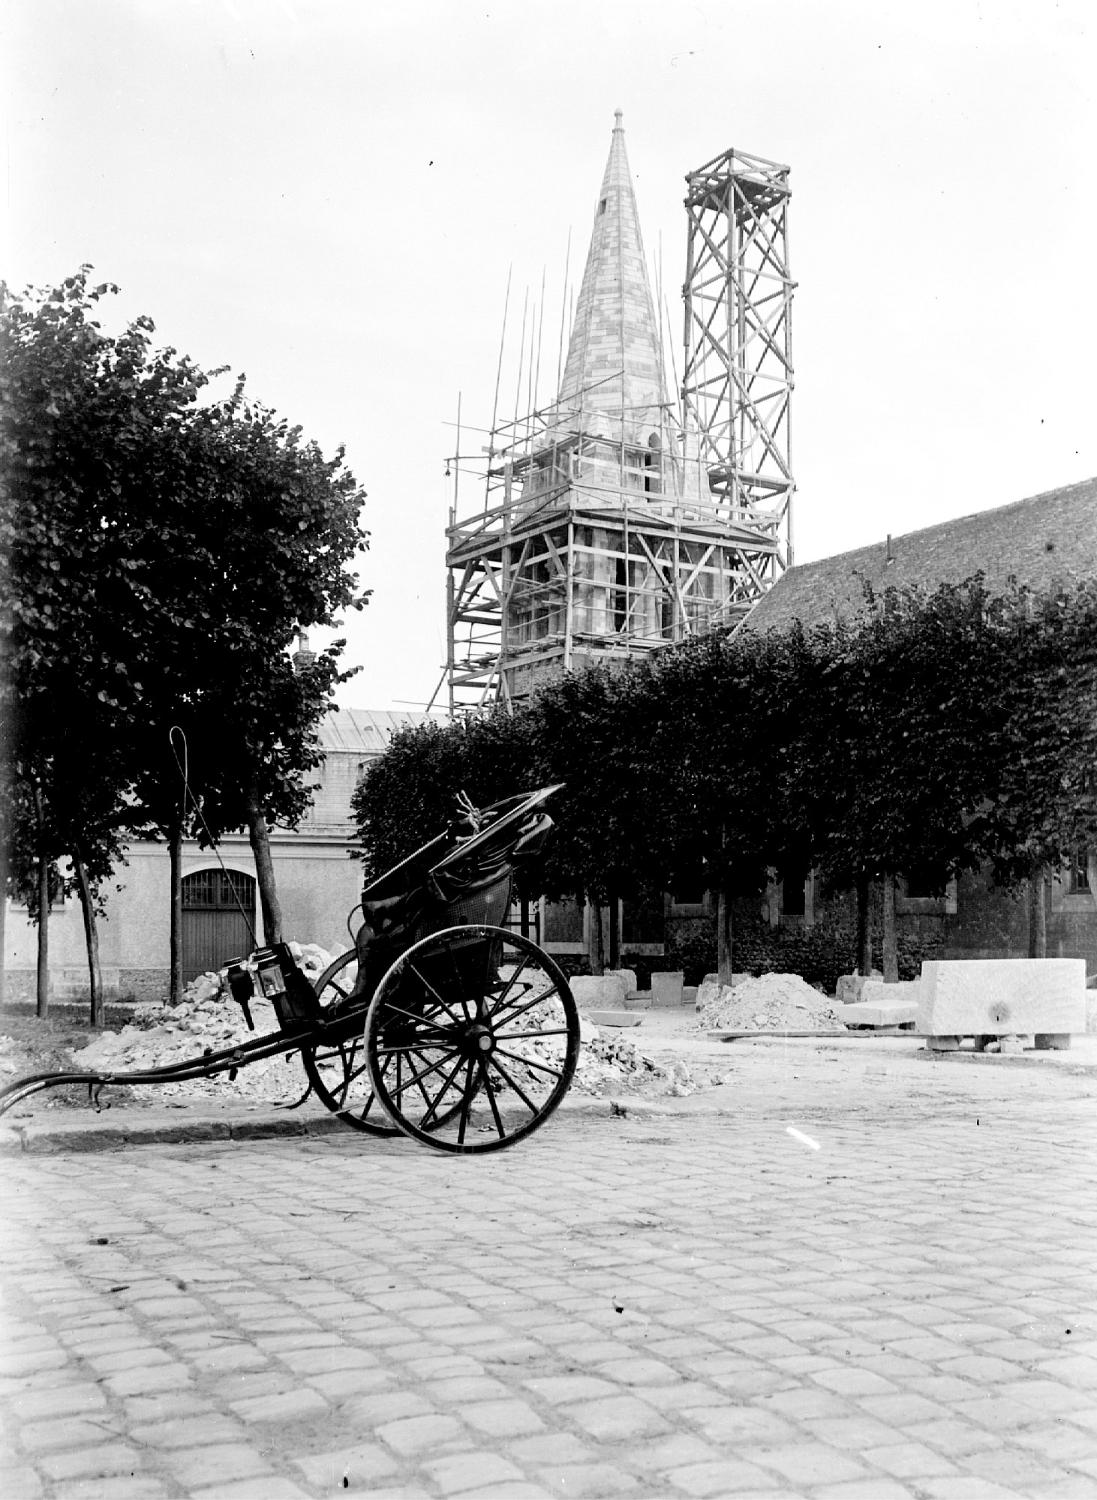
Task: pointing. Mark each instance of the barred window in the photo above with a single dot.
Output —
(214, 890)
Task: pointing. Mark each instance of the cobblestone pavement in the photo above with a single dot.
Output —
(848, 1282)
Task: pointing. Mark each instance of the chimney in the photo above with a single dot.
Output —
(302, 658)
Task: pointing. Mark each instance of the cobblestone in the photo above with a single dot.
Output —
(648, 1307)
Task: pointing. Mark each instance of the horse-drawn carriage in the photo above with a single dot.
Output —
(440, 1022)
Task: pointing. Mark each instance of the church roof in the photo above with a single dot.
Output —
(613, 361)
(1041, 542)
(364, 731)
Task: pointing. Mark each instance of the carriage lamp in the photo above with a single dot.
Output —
(301, 1002)
(242, 988)
(269, 973)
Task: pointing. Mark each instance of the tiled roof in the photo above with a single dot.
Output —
(1041, 541)
(363, 730)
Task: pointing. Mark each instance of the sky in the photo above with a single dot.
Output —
(330, 196)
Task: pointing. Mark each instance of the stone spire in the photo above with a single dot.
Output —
(613, 366)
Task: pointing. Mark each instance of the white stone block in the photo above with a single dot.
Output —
(875, 992)
(880, 1013)
(629, 977)
(667, 987)
(1001, 996)
(849, 987)
(594, 992)
(708, 991)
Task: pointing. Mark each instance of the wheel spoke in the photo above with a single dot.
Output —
(434, 1068)
(511, 982)
(491, 1097)
(338, 1069)
(526, 1036)
(451, 949)
(466, 1105)
(430, 1114)
(528, 1062)
(526, 1100)
(520, 1010)
(428, 986)
(416, 1016)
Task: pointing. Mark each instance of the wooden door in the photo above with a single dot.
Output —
(215, 928)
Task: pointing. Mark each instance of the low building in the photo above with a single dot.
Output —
(318, 879)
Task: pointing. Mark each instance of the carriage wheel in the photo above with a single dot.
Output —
(472, 1039)
(337, 1068)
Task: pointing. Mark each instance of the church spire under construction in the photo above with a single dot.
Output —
(614, 364)
(601, 537)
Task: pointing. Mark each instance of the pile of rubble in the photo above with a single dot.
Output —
(17, 1058)
(207, 1019)
(772, 1002)
(610, 1063)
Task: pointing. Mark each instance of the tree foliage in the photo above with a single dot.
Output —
(939, 729)
(160, 550)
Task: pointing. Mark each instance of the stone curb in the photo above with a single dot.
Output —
(41, 1137)
(53, 1136)
(56, 1135)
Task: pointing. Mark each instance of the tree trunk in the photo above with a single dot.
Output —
(864, 925)
(614, 933)
(1037, 927)
(91, 937)
(724, 938)
(5, 868)
(891, 937)
(596, 947)
(175, 925)
(42, 1003)
(259, 835)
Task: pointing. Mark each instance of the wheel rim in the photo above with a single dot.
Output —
(472, 1039)
(337, 1068)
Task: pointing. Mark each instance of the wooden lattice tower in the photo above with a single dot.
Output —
(738, 374)
(602, 535)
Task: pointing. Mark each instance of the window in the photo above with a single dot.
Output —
(620, 596)
(1078, 874)
(214, 890)
(653, 464)
(689, 893)
(689, 897)
(924, 884)
(793, 894)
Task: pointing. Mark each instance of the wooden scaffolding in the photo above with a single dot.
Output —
(738, 374)
(614, 523)
(588, 550)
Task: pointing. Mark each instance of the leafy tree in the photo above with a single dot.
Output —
(78, 416)
(897, 765)
(266, 537)
(160, 555)
(1045, 808)
(938, 729)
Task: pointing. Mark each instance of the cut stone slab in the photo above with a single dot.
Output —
(1002, 996)
(881, 1013)
(849, 987)
(667, 987)
(598, 992)
(874, 991)
(615, 1018)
